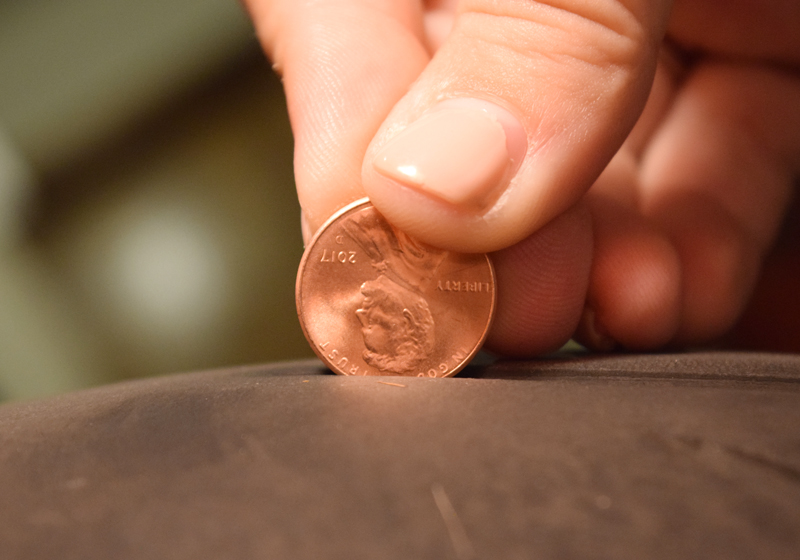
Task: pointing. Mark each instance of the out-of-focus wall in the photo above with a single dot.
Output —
(147, 216)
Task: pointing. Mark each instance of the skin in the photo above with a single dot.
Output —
(663, 142)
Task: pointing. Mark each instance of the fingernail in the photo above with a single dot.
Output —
(592, 335)
(305, 228)
(462, 151)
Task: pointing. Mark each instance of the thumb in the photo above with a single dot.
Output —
(514, 118)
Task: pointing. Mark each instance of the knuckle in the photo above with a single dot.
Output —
(603, 33)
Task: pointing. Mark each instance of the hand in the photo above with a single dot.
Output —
(508, 126)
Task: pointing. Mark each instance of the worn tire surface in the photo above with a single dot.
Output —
(584, 457)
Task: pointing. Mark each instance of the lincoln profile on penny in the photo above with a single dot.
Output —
(396, 321)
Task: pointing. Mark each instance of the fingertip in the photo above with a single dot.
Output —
(635, 286)
(719, 264)
(542, 283)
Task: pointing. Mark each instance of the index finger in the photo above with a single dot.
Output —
(344, 65)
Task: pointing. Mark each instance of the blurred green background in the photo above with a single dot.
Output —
(148, 222)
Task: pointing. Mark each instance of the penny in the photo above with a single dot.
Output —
(373, 301)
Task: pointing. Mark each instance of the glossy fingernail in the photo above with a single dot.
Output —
(462, 151)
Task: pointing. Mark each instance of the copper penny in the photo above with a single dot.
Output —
(373, 301)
